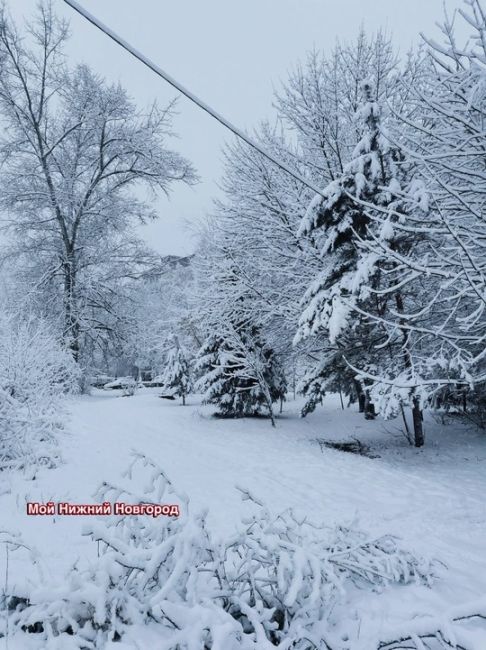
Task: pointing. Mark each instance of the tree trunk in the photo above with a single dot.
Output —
(71, 322)
(369, 408)
(407, 430)
(361, 396)
(272, 417)
(417, 415)
(268, 400)
(183, 399)
(418, 423)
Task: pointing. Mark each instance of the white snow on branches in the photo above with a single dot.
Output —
(35, 374)
(275, 583)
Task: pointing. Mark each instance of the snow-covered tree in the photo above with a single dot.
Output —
(177, 375)
(447, 138)
(239, 373)
(73, 149)
(319, 100)
(431, 253)
(360, 283)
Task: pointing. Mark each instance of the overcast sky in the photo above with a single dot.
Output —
(232, 53)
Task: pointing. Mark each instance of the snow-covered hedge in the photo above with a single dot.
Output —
(35, 374)
(275, 584)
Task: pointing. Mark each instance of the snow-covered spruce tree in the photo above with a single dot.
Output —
(358, 286)
(36, 372)
(209, 366)
(334, 224)
(240, 370)
(398, 376)
(259, 364)
(239, 373)
(177, 375)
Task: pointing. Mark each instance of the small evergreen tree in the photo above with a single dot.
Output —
(177, 376)
(239, 373)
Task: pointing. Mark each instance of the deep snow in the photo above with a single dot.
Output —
(432, 498)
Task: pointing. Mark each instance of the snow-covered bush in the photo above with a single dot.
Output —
(276, 583)
(35, 374)
(456, 629)
(151, 570)
(287, 575)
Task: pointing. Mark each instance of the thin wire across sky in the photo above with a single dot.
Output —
(187, 93)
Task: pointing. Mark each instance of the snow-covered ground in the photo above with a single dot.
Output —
(432, 498)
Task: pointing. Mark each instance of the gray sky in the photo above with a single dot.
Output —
(230, 53)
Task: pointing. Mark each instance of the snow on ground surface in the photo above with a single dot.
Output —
(432, 498)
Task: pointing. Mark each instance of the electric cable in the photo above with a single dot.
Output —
(187, 93)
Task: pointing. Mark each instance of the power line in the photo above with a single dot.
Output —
(173, 82)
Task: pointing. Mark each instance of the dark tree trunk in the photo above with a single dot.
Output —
(183, 399)
(370, 413)
(417, 415)
(369, 409)
(407, 430)
(362, 402)
(418, 423)
(361, 396)
(341, 398)
(71, 322)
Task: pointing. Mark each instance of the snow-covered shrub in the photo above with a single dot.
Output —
(287, 574)
(151, 570)
(456, 629)
(275, 584)
(35, 374)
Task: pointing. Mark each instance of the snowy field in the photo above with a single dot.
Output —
(432, 498)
